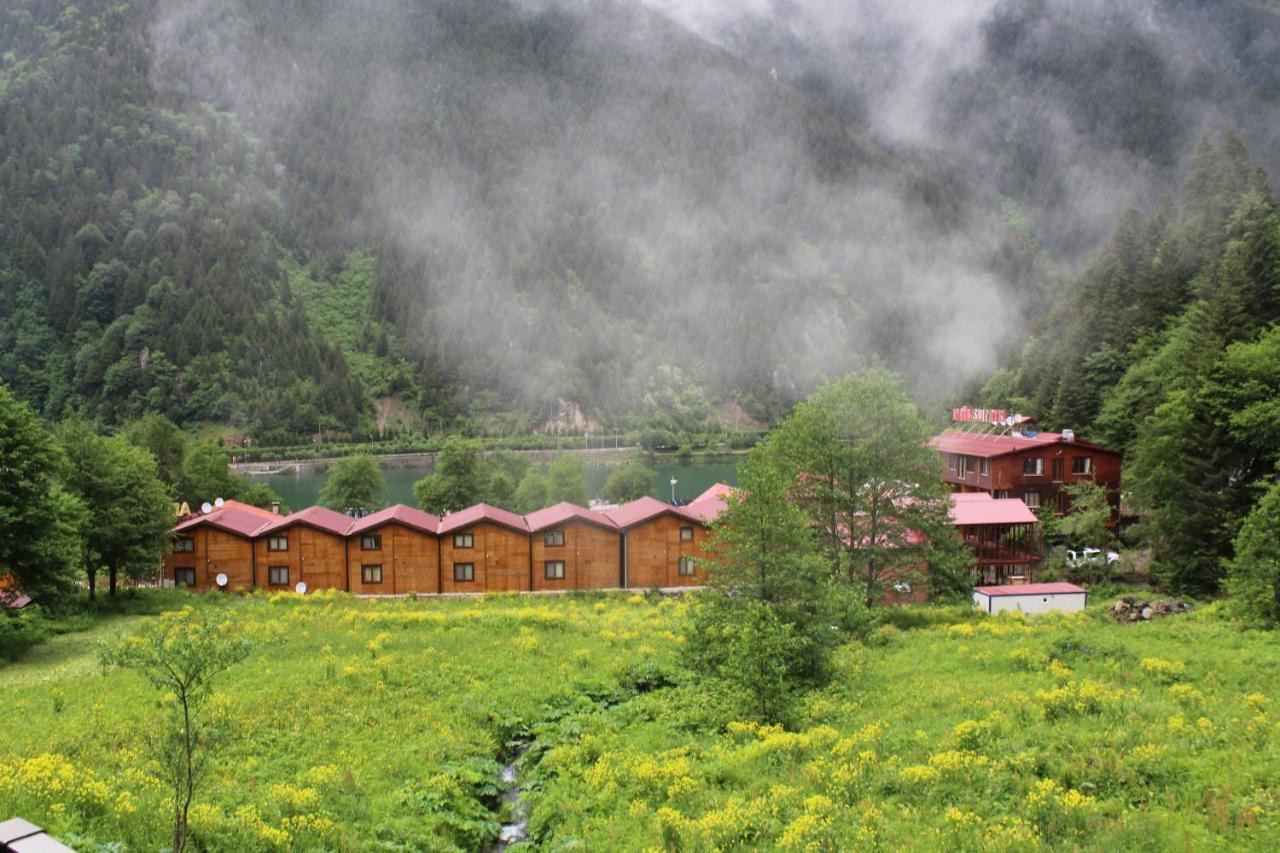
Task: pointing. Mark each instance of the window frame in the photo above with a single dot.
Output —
(550, 537)
(686, 568)
(371, 542)
(366, 572)
(962, 467)
(686, 534)
(274, 543)
(184, 545)
(183, 570)
(271, 573)
(460, 538)
(984, 467)
(1088, 465)
(470, 574)
(1028, 494)
(547, 567)
(1039, 466)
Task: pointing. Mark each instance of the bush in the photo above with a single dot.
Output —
(21, 630)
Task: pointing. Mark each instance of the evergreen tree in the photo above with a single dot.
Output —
(1253, 573)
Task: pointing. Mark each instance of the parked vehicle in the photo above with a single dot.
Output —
(1081, 556)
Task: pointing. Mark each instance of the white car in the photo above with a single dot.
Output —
(1089, 555)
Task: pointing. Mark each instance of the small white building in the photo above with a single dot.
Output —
(1030, 597)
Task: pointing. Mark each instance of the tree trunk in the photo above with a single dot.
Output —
(111, 579)
(93, 581)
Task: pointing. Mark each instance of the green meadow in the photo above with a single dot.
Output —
(383, 724)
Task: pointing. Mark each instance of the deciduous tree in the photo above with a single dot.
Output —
(354, 483)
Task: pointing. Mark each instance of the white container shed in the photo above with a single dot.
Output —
(1030, 597)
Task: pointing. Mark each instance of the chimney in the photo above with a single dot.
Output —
(275, 507)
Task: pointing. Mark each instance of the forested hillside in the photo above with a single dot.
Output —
(1168, 346)
(268, 215)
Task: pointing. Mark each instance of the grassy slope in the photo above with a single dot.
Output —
(358, 722)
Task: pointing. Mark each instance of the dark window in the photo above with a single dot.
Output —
(371, 542)
(962, 466)
(371, 574)
(464, 571)
(1082, 465)
(554, 570)
(1031, 499)
(464, 540)
(278, 575)
(1057, 470)
(185, 576)
(184, 545)
(1002, 493)
(1033, 466)
(686, 534)
(553, 538)
(686, 566)
(278, 543)
(984, 467)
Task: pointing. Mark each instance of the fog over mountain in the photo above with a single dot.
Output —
(620, 203)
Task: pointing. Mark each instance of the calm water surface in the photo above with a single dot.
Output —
(302, 489)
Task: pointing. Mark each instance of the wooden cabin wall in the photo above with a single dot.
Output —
(591, 556)
(315, 557)
(500, 556)
(216, 551)
(654, 549)
(408, 556)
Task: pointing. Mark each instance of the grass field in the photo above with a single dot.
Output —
(359, 724)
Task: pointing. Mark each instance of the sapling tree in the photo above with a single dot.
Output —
(180, 653)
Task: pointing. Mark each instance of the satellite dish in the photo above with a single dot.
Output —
(221, 579)
(206, 507)
(301, 588)
(218, 502)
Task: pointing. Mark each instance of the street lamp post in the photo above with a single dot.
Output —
(673, 489)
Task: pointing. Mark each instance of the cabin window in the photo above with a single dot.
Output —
(277, 543)
(464, 540)
(185, 576)
(1082, 465)
(371, 542)
(184, 545)
(371, 574)
(984, 467)
(686, 534)
(686, 567)
(554, 570)
(962, 466)
(953, 461)
(1001, 494)
(464, 572)
(1033, 466)
(1031, 499)
(553, 539)
(278, 575)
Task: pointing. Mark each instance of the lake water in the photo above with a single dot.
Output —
(302, 489)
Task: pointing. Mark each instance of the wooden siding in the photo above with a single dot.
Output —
(216, 551)
(500, 556)
(408, 556)
(1006, 474)
(654, 549)
(590, 554)
(314, 557)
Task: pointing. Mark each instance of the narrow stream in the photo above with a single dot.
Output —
(517, 829)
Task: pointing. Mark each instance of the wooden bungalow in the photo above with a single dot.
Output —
(660, 543)
(216, 543)
(308, 546)
(395, 550)
(574, 548)
(484, 549)
(1002, 534)
(1034, 467)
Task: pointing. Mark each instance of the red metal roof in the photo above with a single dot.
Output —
(988, 446)
(563, 512)
(233, 519)
(478, 513)
(646, 508)
(400, 514)
(319, 517)
(708, 505)
(981, 508)
(719, 490)
(1030, 589)
(250, 508)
